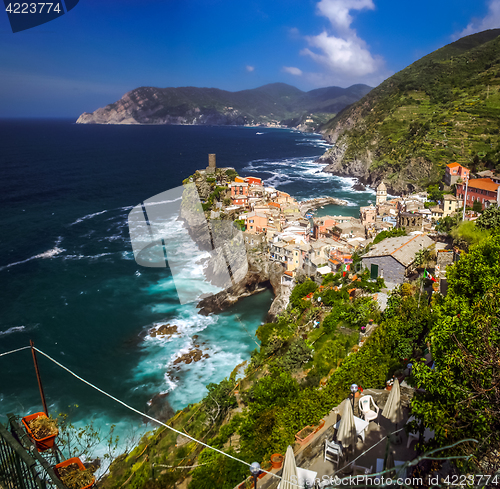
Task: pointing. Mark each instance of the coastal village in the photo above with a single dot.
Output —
(340, 389)
(284, 230)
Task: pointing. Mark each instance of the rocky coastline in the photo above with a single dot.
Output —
(313, 204)
(360, 170)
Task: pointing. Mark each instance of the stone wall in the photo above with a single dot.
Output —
(253, 241)
(444, 258)
(393, 271)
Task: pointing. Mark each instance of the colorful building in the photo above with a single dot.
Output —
(256, 222)
(485, 190)
(239, 193)
(455, 171)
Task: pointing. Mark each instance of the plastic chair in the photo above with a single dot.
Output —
(333, 452)
(367, 413)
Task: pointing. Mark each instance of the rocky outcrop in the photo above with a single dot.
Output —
(261, 274)
(163, 330)
(312, 204)
(194, 355)
(360, 167)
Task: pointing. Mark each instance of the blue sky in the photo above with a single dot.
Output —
(101, 49)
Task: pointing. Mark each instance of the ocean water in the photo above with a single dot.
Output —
(70, 283)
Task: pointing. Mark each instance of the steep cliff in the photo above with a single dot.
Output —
(444, 107)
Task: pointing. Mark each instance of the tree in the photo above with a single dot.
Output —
(446, 224)
(300, 291)
(393, 233)
(462, 398)
(477, 206)
(422, 257)
(490, 218)
(434, 194)
(473, 275)
(85, 441)
(220, 399)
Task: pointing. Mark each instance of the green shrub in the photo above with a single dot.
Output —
(300, 291)
(330, 322)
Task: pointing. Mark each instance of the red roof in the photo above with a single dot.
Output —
(483, 184)
(290, 274)
(453, 165)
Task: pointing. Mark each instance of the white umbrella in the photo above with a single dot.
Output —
(347, 428)
(289, 477)
(392, 409)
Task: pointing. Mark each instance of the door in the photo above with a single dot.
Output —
(374, 272)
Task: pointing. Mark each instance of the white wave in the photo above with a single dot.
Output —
(278, 179)
(88, 216)
(14, 329)
(88, 257)
(46, 254)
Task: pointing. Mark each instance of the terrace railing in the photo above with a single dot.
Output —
(21, 466)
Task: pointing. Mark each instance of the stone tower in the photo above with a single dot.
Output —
(381, 193)
(211, 164)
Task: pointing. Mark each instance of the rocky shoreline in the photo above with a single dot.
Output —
(360, 168)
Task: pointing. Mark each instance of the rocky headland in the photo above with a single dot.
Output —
(272, 105)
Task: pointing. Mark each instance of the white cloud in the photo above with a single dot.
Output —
(490, 21)
(292, 70)
(250, 68)
(342, 52)
(347, 56)
(337, 11)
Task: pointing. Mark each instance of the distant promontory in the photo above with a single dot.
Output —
(273, 105)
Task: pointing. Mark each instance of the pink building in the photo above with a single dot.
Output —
(256, 222)
(454, 171)
(322, 224)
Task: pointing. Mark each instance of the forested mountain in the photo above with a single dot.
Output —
(443, 108)
(273, 104)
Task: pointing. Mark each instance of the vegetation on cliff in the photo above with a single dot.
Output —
(444, 107)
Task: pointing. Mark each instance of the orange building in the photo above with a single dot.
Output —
(483, 189)
(322, 224)
(256, 222)
(454, 171)
(239, 193)
(253, 180)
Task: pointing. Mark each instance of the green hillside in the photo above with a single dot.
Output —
(444, 107)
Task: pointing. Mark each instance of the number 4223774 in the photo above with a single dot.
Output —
(33, 8)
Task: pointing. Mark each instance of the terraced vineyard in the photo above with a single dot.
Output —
(442, 108)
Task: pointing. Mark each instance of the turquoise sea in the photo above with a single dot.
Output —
(67, 274)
